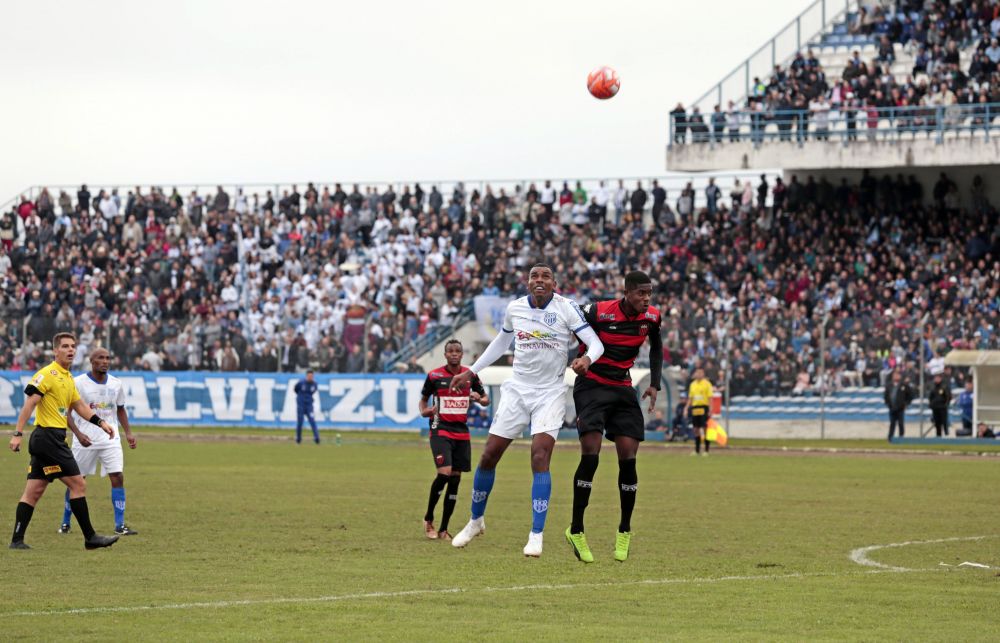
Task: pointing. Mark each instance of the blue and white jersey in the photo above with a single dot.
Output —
(104, 399)
(542, 338)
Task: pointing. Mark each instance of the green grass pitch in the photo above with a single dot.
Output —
(253, 538)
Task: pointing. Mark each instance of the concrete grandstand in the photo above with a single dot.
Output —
(886, 118)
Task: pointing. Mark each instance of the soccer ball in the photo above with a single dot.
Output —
(603, 83)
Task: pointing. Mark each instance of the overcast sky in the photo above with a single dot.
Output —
(203, 91)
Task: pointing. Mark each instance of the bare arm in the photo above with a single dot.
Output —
(22, 420)
(77, 433)
(26, 411)
(493, 352)
(425, 409)
(123, 422)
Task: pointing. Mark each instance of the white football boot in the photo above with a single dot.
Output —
(475, 527)
(534, 546)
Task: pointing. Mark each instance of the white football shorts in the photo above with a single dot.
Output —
(521, 407)
(110, 455)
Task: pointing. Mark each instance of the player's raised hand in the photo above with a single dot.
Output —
(651, 394)
(460, 380)
(580, 365)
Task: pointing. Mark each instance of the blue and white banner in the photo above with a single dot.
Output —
(251, 399)
(489, 314)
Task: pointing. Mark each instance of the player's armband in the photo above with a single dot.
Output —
(30, 390)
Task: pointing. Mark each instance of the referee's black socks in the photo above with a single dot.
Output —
(82, 515)
(21, 520)
(436, 488)
(628, 484)
(583, 482)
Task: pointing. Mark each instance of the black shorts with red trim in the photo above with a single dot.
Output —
(612, 410)
(449, 452)
(51, 457)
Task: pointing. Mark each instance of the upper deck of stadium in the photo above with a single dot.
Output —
(857, 85)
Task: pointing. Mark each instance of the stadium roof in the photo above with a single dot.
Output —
(973, 358)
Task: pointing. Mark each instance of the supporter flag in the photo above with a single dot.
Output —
(715, 433)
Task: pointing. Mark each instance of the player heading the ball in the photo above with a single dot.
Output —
(541, 325)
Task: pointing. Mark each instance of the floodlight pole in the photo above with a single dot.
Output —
(822, 376)
(923, 358)
(729, 370)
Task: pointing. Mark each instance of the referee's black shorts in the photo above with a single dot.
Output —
(699, 417)
(613, 410)
(51, 457)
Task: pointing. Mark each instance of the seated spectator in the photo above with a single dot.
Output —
(657, 423)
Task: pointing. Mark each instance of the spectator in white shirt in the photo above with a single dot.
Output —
(108, 207)
(821, 117)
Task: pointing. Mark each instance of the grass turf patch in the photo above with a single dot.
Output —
(271, 522)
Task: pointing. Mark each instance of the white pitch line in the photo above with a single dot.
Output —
(450, 590)
(860, 555)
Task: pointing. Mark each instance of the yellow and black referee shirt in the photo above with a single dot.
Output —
(700, 394)
(58, 391)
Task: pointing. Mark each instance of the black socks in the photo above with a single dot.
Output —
(450, 498)
(583, 481)
(436, 487)
(628, 484)
(82, 515)
(21, 520)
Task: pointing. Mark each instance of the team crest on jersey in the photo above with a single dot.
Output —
(540, 505)
(644, 329)
(53, 372)
(549, 319)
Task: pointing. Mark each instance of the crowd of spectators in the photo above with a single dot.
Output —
(338, 281)
(801, 101)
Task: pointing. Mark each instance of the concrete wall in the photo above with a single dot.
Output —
(919, 152)
(810, 429)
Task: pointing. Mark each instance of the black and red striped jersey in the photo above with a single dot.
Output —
(453, 408)
(622, 336)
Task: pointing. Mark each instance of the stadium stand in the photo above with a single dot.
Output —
(323, 281)
(352, 280)
(883, 71)
(889, 110)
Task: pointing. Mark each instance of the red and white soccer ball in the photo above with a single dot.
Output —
(603, 83)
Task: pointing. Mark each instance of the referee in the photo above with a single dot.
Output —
(699, 405)
(49, 394)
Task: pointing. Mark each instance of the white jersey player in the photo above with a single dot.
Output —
(104, 394)
(541, 325)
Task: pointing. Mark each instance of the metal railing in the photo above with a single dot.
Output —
(432, 338)
(803, 29)
(846, 126)
(672, 182)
